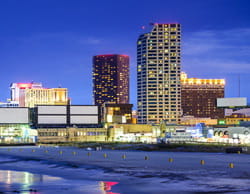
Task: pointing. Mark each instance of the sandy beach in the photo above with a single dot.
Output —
(134, 171)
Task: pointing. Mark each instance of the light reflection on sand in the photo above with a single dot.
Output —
(107, 186)
(25, 182)
(10, 177)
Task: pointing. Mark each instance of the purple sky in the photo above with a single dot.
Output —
(53, 41)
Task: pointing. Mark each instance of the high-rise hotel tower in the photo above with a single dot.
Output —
(198, 96)
(158, 74)
(111, 79)
(32, 94)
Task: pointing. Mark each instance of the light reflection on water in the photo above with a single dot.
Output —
(25, 182)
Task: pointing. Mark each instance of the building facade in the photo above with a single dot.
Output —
(236, 119)
(158, 74)
(32, 94)
(52, 135)
(191, 120)
(199, 96)
(18, 91)
(63, 116)
(9, 104)
(15, 126)
(116, 113)
(111, 79)
(44, 96)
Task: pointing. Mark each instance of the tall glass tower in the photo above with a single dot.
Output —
(158, 74)
(111, 79)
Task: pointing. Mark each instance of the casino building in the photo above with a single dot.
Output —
(111, 79)
(198, 96)
(31, 94)
(158, 74)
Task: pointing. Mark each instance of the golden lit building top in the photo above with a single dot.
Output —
(196, 81)
(198, 96)
(46, 96)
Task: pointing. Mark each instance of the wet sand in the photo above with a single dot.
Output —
(25, 182)
(135, 171)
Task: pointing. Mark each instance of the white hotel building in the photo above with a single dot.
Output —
(158, 74)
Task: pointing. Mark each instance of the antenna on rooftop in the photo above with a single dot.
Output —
(239, 85)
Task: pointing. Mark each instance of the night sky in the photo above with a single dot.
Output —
(53, 41)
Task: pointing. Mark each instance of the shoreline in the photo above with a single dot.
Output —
(137, 168)
(172, 147)
(17, 144)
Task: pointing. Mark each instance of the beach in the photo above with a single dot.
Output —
(112, 171)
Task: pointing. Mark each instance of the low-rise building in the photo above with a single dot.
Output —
(191, 120)
(238, 134)
(9, 104)
(53, 135)
(236, 118)
(116, 113)
(15, 126)
(134, 133)
(63, 116)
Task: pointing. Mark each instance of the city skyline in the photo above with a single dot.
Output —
(134, 96)
(63, 40)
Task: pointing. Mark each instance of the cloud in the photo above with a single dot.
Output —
(60, 38)
(94, 41)
(217, 51)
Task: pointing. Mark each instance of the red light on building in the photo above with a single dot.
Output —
(105, 55)
(24, 85)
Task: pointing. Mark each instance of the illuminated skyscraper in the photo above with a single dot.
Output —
(198, 96)
(158, 74)
(111, 79)
(31, 94)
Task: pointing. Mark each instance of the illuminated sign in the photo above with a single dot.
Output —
(24, 85)
(221, 122)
